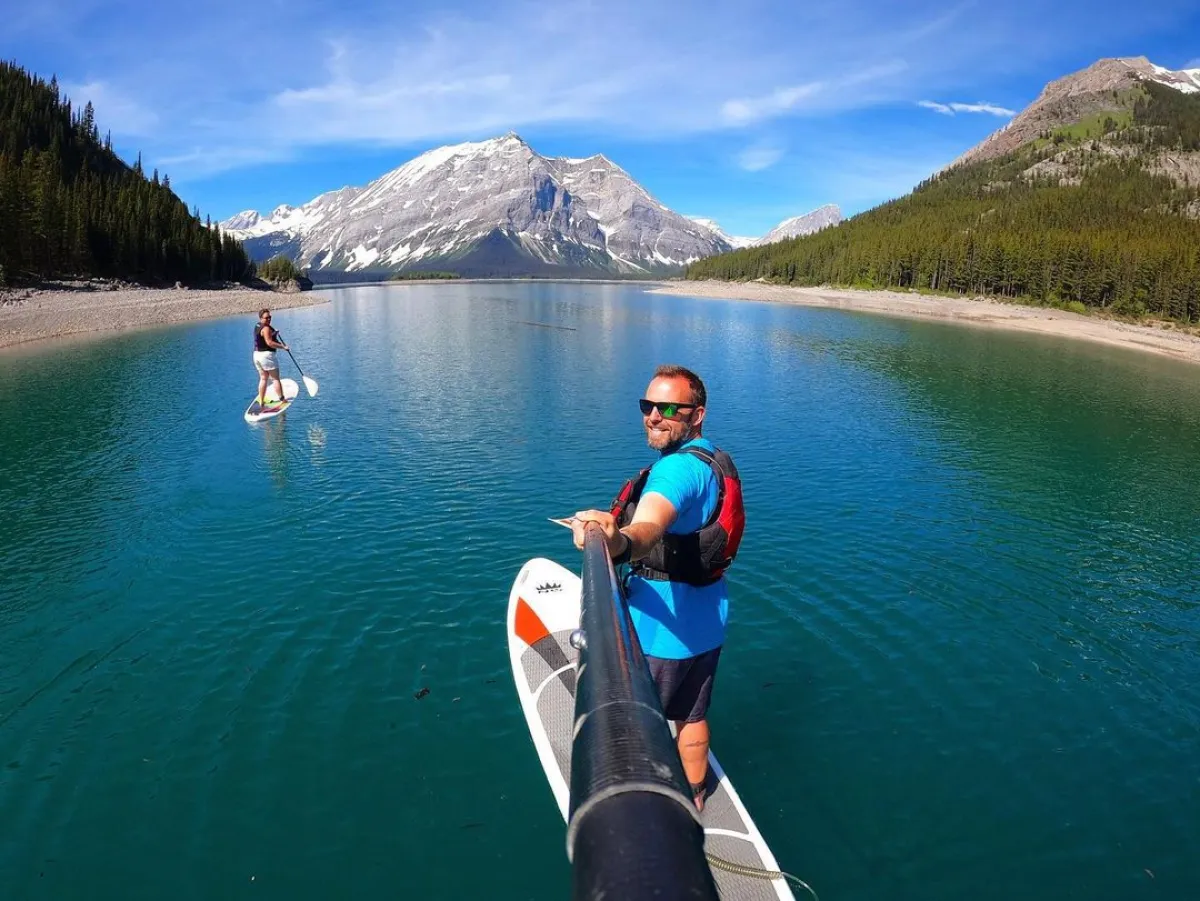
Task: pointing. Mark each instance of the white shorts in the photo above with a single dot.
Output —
(265, 361)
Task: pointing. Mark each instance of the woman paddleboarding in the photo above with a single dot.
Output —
(266, 342)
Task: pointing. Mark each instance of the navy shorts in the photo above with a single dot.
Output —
(685, 686)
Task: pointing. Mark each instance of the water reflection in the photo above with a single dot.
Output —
(316, 441)
(275, 448)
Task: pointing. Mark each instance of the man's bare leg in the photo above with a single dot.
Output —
(693, 739)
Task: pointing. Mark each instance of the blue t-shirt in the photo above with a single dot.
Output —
(675, 620)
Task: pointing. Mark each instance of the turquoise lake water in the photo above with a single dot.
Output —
(964, 651)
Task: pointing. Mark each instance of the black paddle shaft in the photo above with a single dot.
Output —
(633, 832)
(280, 334)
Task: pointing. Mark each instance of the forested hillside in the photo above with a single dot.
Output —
(70, 207)
(1105, 213)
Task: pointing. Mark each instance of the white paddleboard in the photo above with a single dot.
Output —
(543, 610)
(273, 406)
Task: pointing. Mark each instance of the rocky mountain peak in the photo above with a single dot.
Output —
(820, 218)
(1103, 87)
(244, 219)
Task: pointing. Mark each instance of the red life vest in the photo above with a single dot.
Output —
(701, 557)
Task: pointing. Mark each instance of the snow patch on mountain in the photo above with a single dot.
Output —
(1185, 80)
(735, 241)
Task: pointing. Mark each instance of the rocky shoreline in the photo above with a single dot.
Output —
(1165, 340)
(59, 309)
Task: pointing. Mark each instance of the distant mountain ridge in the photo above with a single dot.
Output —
(822, 217)
(798, 226)
(492, 207)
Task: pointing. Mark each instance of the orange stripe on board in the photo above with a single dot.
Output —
(528, 626)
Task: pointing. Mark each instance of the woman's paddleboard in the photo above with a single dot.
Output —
(543, 610)
(274, 406)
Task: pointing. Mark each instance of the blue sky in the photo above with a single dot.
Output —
(744, 112)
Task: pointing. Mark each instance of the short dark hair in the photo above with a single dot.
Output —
(263, 311)
(670, 371)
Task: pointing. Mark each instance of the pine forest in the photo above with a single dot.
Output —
(70, 207)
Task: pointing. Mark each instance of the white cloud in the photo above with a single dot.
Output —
(949, 109)
(201, 162)
(757, 158)
(427, 74)
(851, 87)
(1192, 63)
(415, 75)
(936, 107)
(115, 111)
(744, 111)
(989, 108)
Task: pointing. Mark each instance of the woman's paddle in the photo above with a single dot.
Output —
(310, 384)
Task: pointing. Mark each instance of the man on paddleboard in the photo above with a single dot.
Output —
(678, 524)
(266, 342)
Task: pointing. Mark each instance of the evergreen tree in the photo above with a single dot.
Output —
(278, 269)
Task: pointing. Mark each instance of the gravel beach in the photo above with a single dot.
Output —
(32, 314)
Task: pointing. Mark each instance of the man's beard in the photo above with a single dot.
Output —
(672, 445)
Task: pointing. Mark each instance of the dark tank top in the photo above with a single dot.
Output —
(259, 343)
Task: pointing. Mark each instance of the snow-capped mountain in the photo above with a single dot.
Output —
(492, 207)
(820, 218)
(734, 241)
(1185, 80)
(244, 220)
